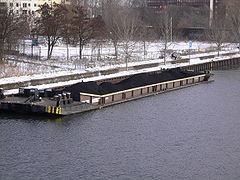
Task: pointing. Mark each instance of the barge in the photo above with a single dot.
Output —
(88, 96)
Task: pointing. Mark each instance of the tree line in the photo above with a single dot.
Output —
(124, 22)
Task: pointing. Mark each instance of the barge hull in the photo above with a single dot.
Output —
(89, 102)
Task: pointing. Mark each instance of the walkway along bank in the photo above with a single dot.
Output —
(203, 64)
(214, 65)
(80, 97)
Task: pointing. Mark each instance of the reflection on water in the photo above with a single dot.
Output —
(192, 133)
(30, 117)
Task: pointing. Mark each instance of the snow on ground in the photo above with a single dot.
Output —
(94, 56)
(106, 50)
(194, 60)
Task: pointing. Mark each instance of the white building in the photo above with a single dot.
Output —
(28, 7)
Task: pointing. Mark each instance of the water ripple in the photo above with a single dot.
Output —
(191, 133)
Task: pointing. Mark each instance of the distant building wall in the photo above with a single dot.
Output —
(28, 7)
(159, 4)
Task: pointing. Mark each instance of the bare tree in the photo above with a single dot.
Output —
(110, 10)
(140, 6)
(123, 25)
(217, 33)
(233, 15)
(12, 28)
(127, 27)
(50, 24)
(68, 34)
(84, 28)
(163, 28)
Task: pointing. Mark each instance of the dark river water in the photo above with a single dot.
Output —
(192, 133)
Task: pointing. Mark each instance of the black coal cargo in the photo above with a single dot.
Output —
(133, 81)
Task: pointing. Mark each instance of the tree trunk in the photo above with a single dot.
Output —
(24, 46)
(144, 48)
(49, 48)
(99, 52)
(67, 51)
(165, 52)
(115, 49)
(1, 49)
(219, 47)
(80, 48)
(126, 54)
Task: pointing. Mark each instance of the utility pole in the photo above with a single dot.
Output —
(211, 12)
(190, 46)
(39, 52)
(171, 29)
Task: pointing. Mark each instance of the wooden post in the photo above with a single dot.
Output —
(181, 83)
(103, 100)
(123, 96)
(155, 88)
(90, 99)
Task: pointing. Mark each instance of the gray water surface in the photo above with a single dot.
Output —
(192, 133)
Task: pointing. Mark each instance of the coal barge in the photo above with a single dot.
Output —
(87, 96)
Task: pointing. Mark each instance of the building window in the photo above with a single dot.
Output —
(11, 4)
(17, 4)
(3, 4)
(24, 4)
(35, 5)
(24, 12)
(16, 11)
(33, 12)
(29, 4)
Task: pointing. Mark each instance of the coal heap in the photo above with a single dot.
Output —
(133, 81)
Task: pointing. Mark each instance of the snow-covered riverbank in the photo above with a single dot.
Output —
(94, 58)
